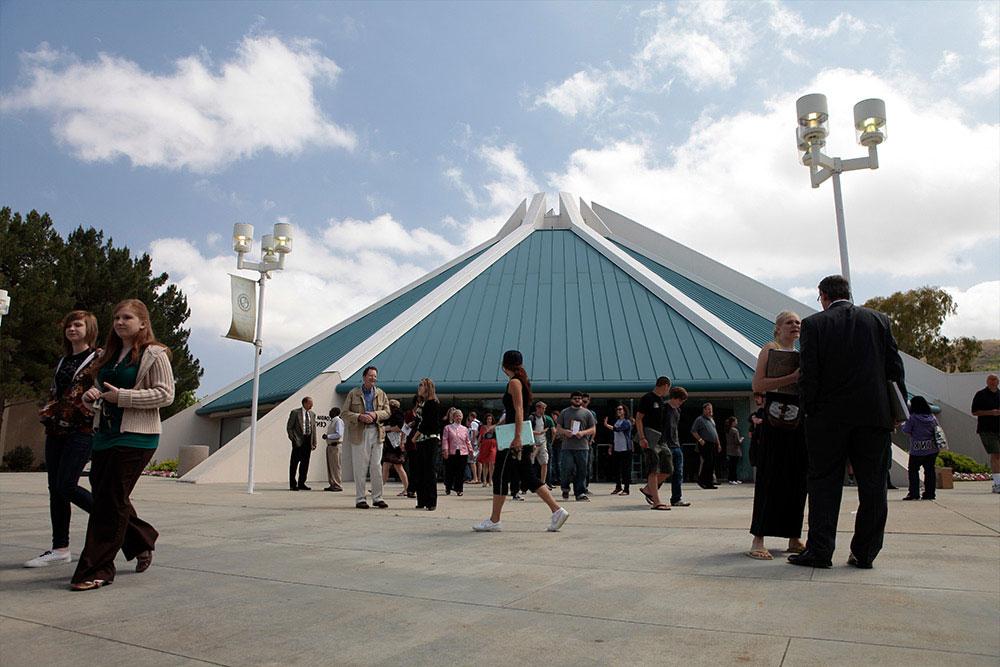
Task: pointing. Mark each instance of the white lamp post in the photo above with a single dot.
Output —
(4, 303)
(810, 136)
(274, 247)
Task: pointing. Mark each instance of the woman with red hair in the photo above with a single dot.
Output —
(133, 380)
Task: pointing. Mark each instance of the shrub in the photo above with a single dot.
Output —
(19, 459)
(958, 462)
(167, 465)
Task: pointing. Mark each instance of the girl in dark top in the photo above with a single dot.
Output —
(393, 453)
(516, 403)
(428, 442)
(68, 432)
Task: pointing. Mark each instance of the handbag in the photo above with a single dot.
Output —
(939, 437)
(782, 411)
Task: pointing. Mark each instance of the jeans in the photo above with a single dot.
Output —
(555, 477)
(678, 477)
(65, 457)
(573, 465)
(623, 469)
(926, 462)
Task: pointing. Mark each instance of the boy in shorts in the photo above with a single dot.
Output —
(657, 456)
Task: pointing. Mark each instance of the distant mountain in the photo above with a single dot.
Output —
(989, 358)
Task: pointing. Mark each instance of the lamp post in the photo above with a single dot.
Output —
(273, 247)
(810, 136)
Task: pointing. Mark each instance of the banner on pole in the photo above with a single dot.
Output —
(244, 309)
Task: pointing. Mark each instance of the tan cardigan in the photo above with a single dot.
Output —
(354, 406)
(154, 389)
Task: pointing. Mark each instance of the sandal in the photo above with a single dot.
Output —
(649, 496)
(661, 507)
(795, 550)
(143, 561)
(401, 494)
(760, 554)
(90, 585)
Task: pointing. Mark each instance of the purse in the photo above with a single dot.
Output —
(782, 411)
(939, 437)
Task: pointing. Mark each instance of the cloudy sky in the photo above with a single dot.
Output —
(395, 135)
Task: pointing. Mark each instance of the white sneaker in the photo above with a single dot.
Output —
(50, 558)
(558, 519)
(996, 487)
(487, 526)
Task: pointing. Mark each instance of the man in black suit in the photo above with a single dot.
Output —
(848, 356)
(301, 430)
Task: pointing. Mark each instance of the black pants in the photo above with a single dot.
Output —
(65, 457)
(424, 465)
(300, 460)
(623, 469)
(925, 461)
(830, 444)
(707, 475)
(734, 465)
(113, 522)
(514, 473)
(454, 472)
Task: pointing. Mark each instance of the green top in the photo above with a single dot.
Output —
(109, 433)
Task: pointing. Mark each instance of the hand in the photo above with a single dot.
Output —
(795, 375)
(111, 395)
(365, 418)
(644, 443)
(718, 449)
(92, 394)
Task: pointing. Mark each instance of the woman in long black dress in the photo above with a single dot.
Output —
(779, 497)
(516, 404)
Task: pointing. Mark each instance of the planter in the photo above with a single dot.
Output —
(945, 478)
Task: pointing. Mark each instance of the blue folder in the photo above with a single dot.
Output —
(505, 435)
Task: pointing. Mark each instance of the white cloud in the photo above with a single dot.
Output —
(329, 276)
(987, 83)
(788, 23)
(194, 118)
(735, 191)
(579, 94)
(705, 41)
(949, 64)
(978, 313)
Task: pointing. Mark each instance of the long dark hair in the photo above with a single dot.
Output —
(114, 344)
(919, 406)
(514, 362)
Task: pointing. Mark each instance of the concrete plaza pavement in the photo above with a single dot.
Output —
(282, 578)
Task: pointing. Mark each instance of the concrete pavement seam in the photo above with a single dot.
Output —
(677, 626)
(114, 641)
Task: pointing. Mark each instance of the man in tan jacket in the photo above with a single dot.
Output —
(365, 408)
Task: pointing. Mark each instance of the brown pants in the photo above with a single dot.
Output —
(113, 522)
(333, 464)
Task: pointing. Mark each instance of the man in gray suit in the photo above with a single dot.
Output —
(848, 357)
(301, 429)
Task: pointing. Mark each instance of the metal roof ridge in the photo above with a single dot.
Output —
(737, 293)
(711, 325)
(351, 362)
(351, 319)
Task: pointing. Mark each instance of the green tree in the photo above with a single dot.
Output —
(48, 277)
(917, 316)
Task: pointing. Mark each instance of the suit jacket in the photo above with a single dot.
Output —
(354, 405)
(848, 355)
(296, 429)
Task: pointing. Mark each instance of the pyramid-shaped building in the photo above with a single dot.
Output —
(596, 302)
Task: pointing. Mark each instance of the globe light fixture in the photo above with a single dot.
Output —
(810, 138)
(274, 247)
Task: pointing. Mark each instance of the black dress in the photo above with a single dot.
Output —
(779, 494)
(428, 449)
(513, 471)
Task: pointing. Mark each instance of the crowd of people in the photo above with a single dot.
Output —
(820, 389)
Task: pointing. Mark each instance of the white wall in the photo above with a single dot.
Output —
(272, 451)
(187, 428)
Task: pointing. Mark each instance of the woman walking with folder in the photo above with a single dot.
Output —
(779, 497)
(516, 403)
